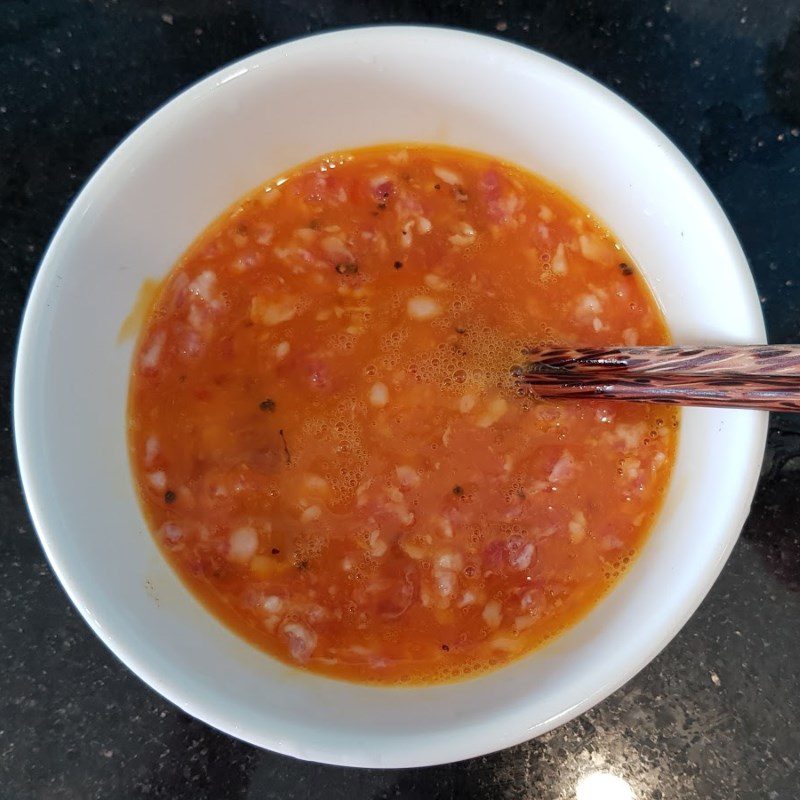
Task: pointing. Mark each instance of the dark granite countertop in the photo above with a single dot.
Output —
(716, 714)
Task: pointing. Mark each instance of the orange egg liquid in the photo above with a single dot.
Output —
(327, 440)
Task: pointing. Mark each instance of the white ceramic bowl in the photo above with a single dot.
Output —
(175, 174)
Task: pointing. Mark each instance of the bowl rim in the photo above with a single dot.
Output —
(450, 748)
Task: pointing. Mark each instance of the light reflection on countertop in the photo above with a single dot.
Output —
(603, 786)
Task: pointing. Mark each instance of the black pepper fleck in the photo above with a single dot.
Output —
(285, 447)
(446, 648)
(458, 491)
(169, 496)
(398, 264)
(275, 551)
(267, 405)
(626, 269)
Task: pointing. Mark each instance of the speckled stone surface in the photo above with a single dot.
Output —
(717, 714)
